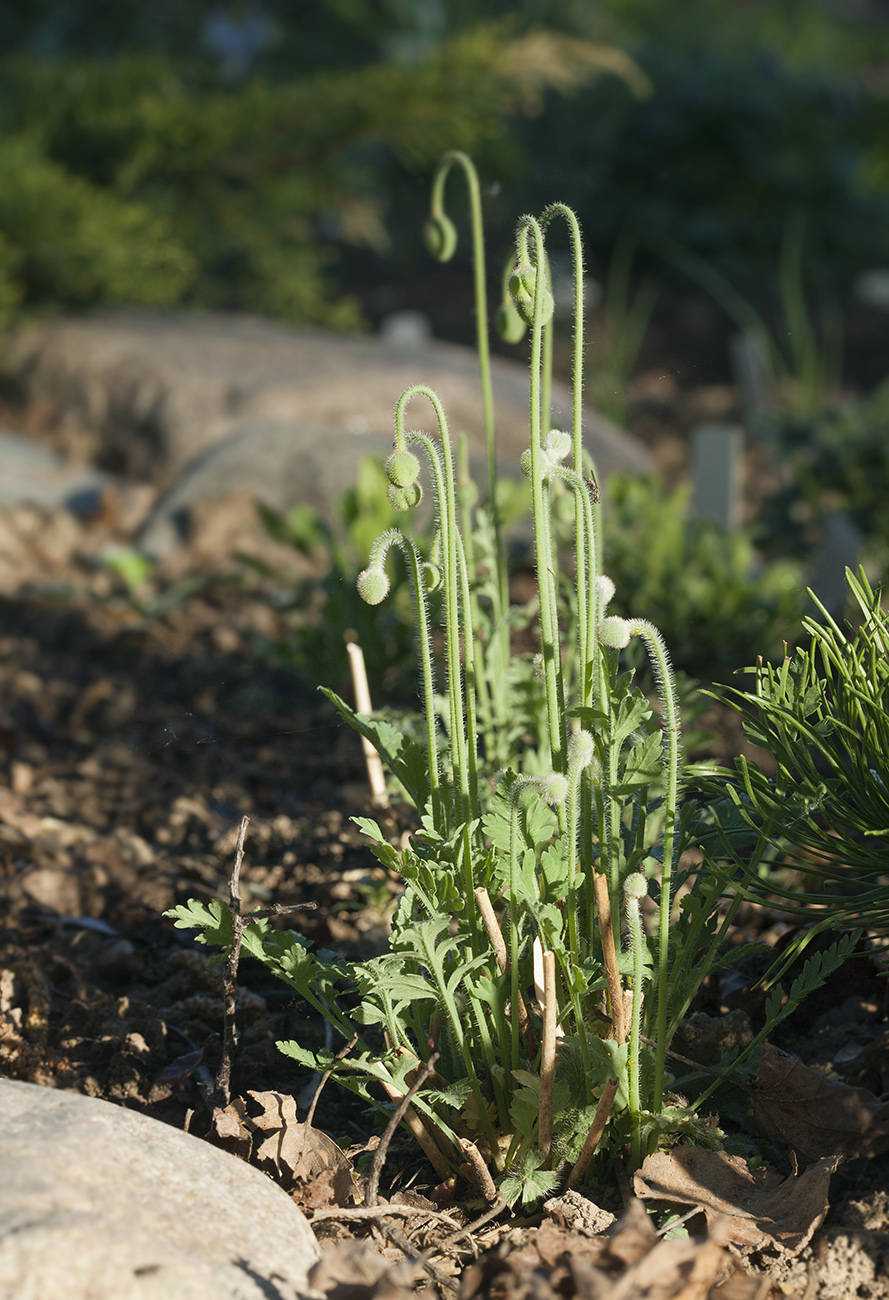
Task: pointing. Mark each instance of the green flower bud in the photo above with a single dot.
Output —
(581, 750)
(402, 469)
(525, 463)
(405, 498)
(373, 586)
(539, 666)
(614, 632)
(431, 575)
(604, 589)
(508, 323)
(557, 444)
(522, 285)
(554, 788)
(635, 885)
(440, 237)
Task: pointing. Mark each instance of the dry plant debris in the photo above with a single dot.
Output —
(816, 1115)
(633, 1263)
(756, 1208)
(306, 1162)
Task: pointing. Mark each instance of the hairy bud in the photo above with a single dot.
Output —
(581, 750)
(402, 469)
(405, 498)
(635, 885)
(614, 632)
(522, 286)
(508, 323)
(554, 788)
(373, 586)
(440, 237)
(431, 575)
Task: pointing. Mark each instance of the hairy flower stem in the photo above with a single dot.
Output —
(443, 476)
(586, 572)
(393, 537)
(587, 560)
(549, 638)
(633, 890)
(456, 158)
(464, 766)
(663, 673)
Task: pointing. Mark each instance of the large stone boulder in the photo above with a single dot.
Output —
(157, 389)
(100, 1203)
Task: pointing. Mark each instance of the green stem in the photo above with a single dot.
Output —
(543, 549)
(393, 537)
(663, 673)
(455, 157)
(637, 941)
(586, 571)
(443, 472)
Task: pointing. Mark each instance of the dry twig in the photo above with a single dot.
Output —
(376, 1168)
(593, 1138)
(222, 1091)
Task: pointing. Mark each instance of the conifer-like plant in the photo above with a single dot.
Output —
(537, 947)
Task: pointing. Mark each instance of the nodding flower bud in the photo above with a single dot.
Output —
(581, 750)
(605, 589)
(554, 788)
(614, 632)
(508, 323)
(431, 575)
(557, 444)
(635, 886)
(525, 462)
(405, 498)
(402, 469)
(522, 286)
(440, 237)
(373, 586)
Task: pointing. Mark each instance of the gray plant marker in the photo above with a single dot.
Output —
(837, 550)
(717, 465)
(751, 374)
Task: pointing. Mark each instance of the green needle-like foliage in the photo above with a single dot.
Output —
(824, 717)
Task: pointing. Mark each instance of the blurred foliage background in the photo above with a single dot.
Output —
(275, 156)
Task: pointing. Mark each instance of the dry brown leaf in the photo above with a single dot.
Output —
(294, 1154)
(230, 1129)
(552, 1263)
(817, 1116)
(759, 1207)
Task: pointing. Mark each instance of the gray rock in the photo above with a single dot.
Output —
(34, 474)
(158, 388)
(100, 1203)
(282, 465)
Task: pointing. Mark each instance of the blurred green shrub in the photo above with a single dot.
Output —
(708, 589)
(724, 156)
(146, 179)
(65, 239)
(834, 460)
